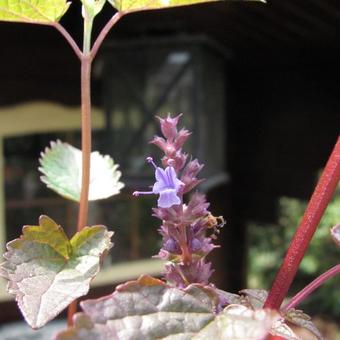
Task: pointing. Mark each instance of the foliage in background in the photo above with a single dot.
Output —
(268, 243)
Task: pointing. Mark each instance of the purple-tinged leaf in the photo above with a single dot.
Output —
(227, 298)
(150, 309)
(239, 322)
(299, 318)
(46, 271)
(256, 297)
(335, 233)
(279, 328)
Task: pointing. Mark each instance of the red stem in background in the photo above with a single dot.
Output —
(310, 220)
(305, 292)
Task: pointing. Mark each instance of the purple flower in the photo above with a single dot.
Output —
(167, 186)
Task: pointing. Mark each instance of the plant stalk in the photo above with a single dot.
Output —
(305, 292)
(85, 141)
(310, 220)
(69, 39)
(104, 32)
(86, 155)
(86, 138)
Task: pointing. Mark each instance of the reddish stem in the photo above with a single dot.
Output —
(104, 32)
(86, 156)
(69, 39)
(305, 292)
(310, 220)
(186, 255)
(85, 140)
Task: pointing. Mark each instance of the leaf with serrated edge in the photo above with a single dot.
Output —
(33, 11)
(256, 297)
(43, 280)
(299, 318)
(50, 233)
(335, 233)
(150, 309)
(139, 5)
(61, 169)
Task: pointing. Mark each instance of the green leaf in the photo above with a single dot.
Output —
(50, 233)
(33, 11)
(61, 169)
(150, 309)
(134, 5)
(46, 271)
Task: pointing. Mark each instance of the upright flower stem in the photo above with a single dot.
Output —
(310, 220)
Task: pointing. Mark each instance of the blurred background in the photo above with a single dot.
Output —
(258, 84)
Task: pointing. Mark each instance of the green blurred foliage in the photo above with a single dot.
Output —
(268, 244)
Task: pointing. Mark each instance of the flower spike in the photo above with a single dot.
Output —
(188, 230)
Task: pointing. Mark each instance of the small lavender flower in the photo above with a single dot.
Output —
(167, 186)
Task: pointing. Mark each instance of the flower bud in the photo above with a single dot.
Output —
(181, 138)
(195, 245)
(169, 126)
(171, 245)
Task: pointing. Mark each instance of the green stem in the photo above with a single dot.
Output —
(88, 23)
(303, 235)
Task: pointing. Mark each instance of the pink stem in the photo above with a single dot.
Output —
(311, 218)
(69, 39)
(104, 32)
(305, 292)
(86, 155)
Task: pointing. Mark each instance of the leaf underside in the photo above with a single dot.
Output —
(139, 5)
(150, 309)
(33, 11)
(299, 318)
(46, 271)
(61, 166)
